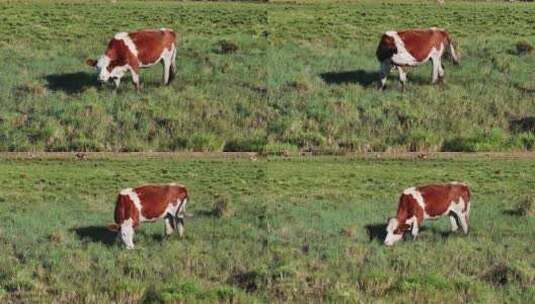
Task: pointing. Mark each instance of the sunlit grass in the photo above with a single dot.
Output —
(303, 77)
(300, 230)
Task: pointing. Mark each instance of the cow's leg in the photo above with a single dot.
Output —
(117, 82)
(413, 222)
(180, 215)
(464, 222)
(440, 72)
(135, 78)
(166, 62)
(386, 66)
(172, 70)
(402, 78)
(436, 67)
(127, 233)
(453, 221)
(180, 224)
(414, 230)
(169, 224)
(462, 216)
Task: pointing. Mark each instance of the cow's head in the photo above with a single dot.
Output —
(107, 69)
(395, 231)
(114, 227)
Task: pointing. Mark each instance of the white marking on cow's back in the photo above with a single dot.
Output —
(127, 41)
(402, 57)
(417, 195)
(135, 199)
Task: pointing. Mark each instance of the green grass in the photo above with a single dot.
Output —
(302, 230)
(303, 77)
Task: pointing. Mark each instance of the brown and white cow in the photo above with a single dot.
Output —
(150, 203)
(411, 48)
(417, 204)
(135, 50)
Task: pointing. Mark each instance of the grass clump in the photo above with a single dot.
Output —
(226, 47)
(493, 140)
(256, 144)
(524, 47)
(223, 206)
(205, 142)
(526, 206)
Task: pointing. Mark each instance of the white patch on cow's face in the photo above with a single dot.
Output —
(102, 68)
(128, 41)
(119, 71)
(402, 57)
(392, 237)
(135, 199)
(127, 233)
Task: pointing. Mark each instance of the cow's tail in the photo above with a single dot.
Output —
(468, 202)
(172, 66)
(451, 50)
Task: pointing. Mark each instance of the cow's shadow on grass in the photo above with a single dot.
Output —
(362, 77)
(370, 78)
(71, 83)
(97, 234)
(513, 212)
(376, 231)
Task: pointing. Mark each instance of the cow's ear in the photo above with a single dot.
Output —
(113, 227)
(91, 62)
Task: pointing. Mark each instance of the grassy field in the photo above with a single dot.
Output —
(303, 230)
(303, 77)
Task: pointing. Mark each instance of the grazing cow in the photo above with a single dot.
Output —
(135, 50)
(413, 47)
(149, 203)
(417, 204)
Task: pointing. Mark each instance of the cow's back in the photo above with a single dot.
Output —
(419, 42)
(156, 198)
(439, 197)
(150, 44)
